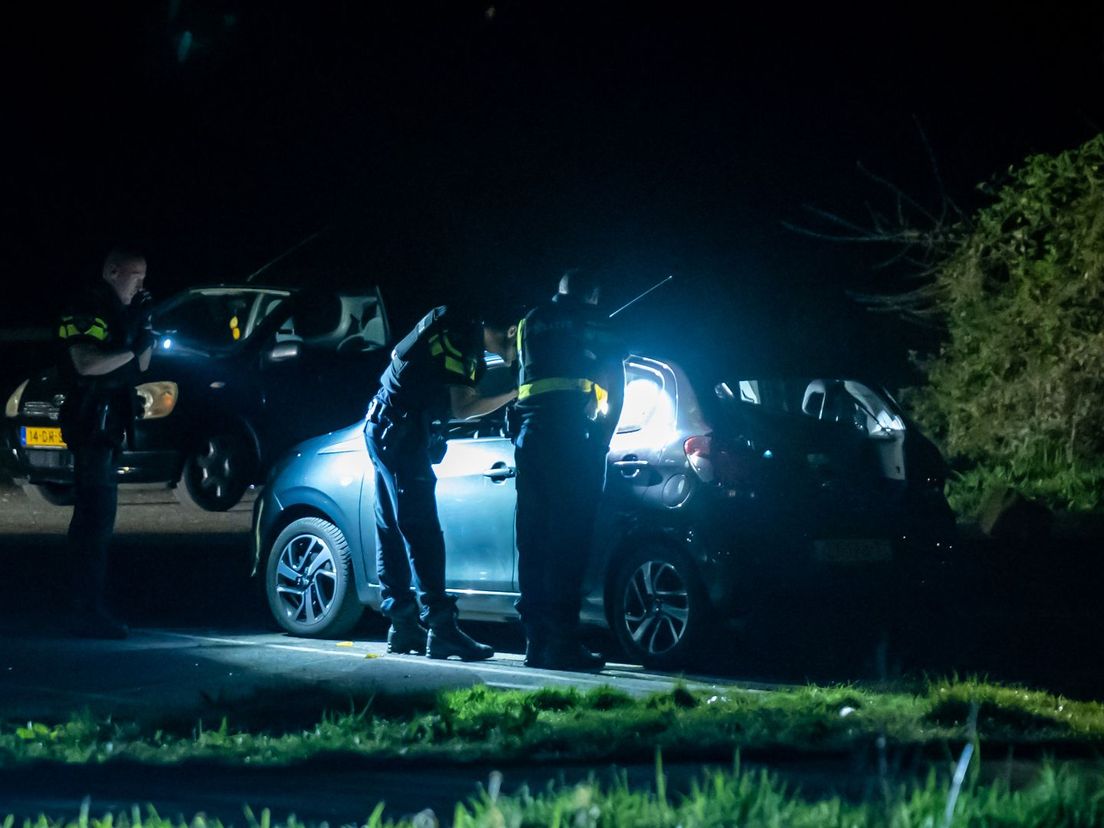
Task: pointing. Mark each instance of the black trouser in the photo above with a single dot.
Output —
(560, 477)
(96, 499)
(408, 532)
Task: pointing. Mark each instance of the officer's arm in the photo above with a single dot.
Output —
(467, 402)
(91, 361)
(615, 400)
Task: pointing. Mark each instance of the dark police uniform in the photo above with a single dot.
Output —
(97, 413)
(569, 399)
(407, 420)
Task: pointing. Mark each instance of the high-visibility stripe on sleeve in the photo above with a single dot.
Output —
(455, 366)
(97, 329)
(452, 349)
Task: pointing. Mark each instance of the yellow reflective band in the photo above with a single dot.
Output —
(452, 349)
(435, 348)
(543, 386)
(601, 396)
(454, 365)
(96, 330)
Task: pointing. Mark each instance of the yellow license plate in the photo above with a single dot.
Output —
(35, 437)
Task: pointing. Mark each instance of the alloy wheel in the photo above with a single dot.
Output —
(306, 578)
(657, 607)
(217, 468)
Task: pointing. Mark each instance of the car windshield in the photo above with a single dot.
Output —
(213, 319)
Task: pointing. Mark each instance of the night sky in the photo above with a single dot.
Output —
(455, 147)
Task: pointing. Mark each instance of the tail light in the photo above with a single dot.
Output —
(714, 462)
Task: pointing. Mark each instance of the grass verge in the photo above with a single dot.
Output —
(481, 724)
(1059, 796)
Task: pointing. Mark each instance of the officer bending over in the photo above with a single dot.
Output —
(571, 388)
(431, 379)
(105, 345)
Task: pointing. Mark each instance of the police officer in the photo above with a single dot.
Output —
(432, 378)
(571, 387)
(105, 344)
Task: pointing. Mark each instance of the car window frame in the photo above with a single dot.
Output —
(253, 328)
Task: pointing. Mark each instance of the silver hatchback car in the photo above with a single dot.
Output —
(720, 494)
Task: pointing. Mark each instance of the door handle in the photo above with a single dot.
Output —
(500, 472)
(630, 465)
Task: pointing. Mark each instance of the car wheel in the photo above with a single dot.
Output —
(658, 608)
(216, 473)
(53, 494)
(309, 580)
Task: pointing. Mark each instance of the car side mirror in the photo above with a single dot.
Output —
(283, 352)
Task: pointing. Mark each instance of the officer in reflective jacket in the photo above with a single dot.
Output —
(571, 387)
(432, 378)
(105, 343)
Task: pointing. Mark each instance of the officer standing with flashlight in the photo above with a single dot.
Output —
(106, 343)
(570, 391)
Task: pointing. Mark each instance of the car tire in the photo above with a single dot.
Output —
(658, 607)
(216, 473)
(309, 581)
(52, 494)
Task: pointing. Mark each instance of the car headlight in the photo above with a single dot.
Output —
(159, 398)
(12, 408)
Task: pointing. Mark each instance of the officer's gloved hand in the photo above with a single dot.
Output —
(142, 302)
(140, 331)
(141, 309)
(142, 340)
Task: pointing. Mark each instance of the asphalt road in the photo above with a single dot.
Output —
(181, 579)
(202, 639)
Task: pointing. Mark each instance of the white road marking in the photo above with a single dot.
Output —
(502, 665)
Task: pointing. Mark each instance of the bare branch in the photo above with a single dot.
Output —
(897, 191)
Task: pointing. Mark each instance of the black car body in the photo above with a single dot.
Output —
(720, 494)
(239, 373)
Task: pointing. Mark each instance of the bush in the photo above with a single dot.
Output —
(1017, 389)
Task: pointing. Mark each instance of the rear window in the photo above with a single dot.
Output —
(826, 399)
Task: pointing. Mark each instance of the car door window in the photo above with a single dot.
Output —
(213, 319)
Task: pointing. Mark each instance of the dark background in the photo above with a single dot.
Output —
(458, 147)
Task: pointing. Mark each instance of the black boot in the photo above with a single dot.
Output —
(406, 634)
(560, 652)
(536, 642)
(447, 640)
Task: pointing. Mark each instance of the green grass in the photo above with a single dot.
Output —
(481, 724)
(1061, 795)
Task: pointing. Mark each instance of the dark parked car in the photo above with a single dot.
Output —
(720, 493)
(239, 373)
